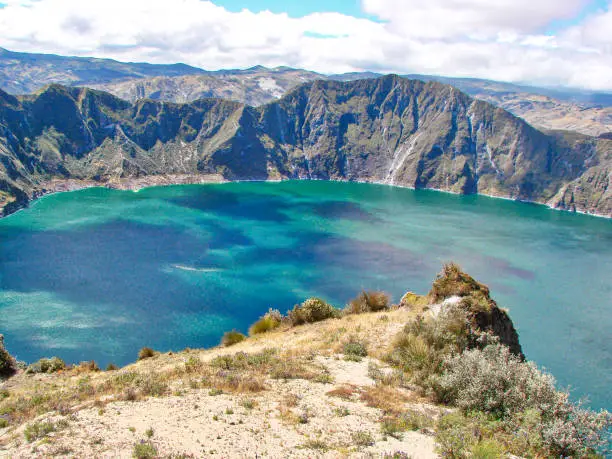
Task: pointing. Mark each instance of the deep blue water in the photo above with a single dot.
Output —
(98, 274)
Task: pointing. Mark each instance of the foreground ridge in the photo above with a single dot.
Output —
(418, 379)
(386, 130)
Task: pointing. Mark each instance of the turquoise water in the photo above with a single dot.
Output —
(98, 274)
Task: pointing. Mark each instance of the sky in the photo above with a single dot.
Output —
(545, 42)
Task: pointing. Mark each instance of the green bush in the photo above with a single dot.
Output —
(310, 311)
(488, 449)
(145, 353)
(268, 322)
(144, 450)
(421, 347)
(368, 302)
(354, 350)
(39, 430)
(455, 436)
(52, 365)
(242, 360)
(232, 337)
(8, 366)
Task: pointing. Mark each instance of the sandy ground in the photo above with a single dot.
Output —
(292, 418)
(296, 418)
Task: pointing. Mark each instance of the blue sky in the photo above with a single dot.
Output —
(591, 8)
(296, 8)
(548, 42)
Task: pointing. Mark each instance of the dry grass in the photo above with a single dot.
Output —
(170, 373)
(386, 398)
(345, 392)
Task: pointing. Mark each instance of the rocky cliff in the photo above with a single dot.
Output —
(390, 129)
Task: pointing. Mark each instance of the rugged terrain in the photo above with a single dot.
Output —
(587, 112)
(388, 130)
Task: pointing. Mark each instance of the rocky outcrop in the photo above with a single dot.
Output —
(475, 299)
(390, 130)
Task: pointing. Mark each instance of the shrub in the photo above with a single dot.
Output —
(368, 302)
(488, 449)
(268, 322)
(144, 450)
(452, 281)
(152, 385)
(395, 423)
(52, 365)
(454, 436)
(354, 350)
(8, 365)
(87, 367)
(193, 364)
(42, 429)
(421, 347)
(242, 360)
(310, 311)
(111, 367)
(232, 337)
(496, 382)
(413, 301)
(362, 438)
(145, 353)
(3, 423)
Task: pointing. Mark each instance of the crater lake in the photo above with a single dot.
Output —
(99, 273)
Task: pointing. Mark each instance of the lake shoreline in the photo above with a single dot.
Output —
(139, 183)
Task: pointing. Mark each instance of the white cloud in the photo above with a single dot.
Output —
(499, 39)
(477, 18)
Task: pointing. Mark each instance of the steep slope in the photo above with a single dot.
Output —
(391, 130)
(428, 135)
(588, 112)
(580, 111)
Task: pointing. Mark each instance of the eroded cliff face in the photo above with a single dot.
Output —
(391, 130)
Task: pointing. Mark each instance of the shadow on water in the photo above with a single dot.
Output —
(243, 206)
(337, 210)
(127, 268)
(121, 268)
(195, 261)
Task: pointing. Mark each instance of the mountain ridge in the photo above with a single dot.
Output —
(588, 112)
(389, 130)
